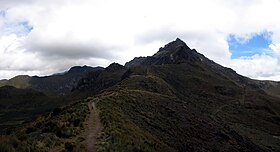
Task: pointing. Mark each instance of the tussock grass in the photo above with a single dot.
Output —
(56, 130)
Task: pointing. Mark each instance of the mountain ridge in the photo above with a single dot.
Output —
(56, 84)
(174, 52)
(175, 100)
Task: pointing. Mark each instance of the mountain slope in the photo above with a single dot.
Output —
(20, 105)
(180, 99)
(60, 130)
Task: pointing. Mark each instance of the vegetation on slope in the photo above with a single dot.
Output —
(192, 110)
(20, 105)
(144, 119)
(61, 130)
(122, 134)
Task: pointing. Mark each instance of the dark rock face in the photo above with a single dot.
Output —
(172, 53)
(135, 62)
(178, 48)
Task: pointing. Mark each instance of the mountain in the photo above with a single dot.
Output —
(178, 52)
(173, 53)
(175, 100)
(179, 100)
(57, 84)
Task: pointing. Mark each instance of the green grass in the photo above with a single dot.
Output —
(121, 133)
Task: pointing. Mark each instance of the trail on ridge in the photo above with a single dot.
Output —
(94, 127)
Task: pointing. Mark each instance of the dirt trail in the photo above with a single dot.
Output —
(94, 127)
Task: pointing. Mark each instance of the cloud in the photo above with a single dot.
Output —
(5, 4)
(59, 34)
(68, 49)
(254, 66)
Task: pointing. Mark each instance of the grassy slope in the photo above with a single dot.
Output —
(121, 133)
(258, 112)
(61, 130)
(187, 110)
(19, 106)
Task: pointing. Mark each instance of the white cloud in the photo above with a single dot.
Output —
(69, 32)
(257, 66)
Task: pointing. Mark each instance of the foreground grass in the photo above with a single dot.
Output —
(58, 131)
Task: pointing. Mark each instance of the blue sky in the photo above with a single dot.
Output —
(20, 28)
(25, 28)
(2, 13)
(255, 44)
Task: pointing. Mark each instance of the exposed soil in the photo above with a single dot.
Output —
(94, 127)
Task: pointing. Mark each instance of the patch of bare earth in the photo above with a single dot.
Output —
(93, 127)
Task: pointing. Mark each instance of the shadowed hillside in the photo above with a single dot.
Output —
(54, 85)
(20, 105)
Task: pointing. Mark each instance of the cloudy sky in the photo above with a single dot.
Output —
(41, 37)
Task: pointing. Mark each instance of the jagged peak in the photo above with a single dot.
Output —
(174, 45)
(176, 49)
(179, 41)
(77, 69)
(114, 67)
(172, 53)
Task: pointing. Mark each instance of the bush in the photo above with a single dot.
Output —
(6, 148)
(30, 129)
(76, 122)
(69, 146)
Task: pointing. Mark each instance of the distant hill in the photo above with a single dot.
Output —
(97, 81)
(57, 84)
(20, 105)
